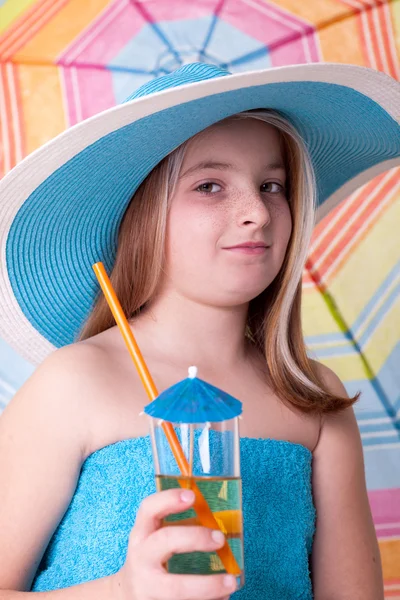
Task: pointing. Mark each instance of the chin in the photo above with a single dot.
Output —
(239, 296)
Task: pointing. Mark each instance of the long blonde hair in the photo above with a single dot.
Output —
(274, 317)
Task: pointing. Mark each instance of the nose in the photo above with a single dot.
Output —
(253, 210)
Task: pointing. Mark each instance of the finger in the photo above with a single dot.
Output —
(167, 541)
(157, 506)
(193, 587)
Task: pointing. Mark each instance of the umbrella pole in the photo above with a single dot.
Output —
(191, 443)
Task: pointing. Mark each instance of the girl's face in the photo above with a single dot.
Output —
(231, 191)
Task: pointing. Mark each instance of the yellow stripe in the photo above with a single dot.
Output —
(11, 10)
(347, 368)
(55, 36)
(314, 11)
(350, 48)
(42, 105)
(317, 318)
(366, 269)
(390, 555)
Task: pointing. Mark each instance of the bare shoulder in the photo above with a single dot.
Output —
(59, 393)
(345, 550)
(329, 377)
(337, 427)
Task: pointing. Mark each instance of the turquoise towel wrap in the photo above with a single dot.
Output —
(279, 518)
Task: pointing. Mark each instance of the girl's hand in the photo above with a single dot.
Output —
(144, 577)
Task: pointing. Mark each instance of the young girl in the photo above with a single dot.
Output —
(206, 258)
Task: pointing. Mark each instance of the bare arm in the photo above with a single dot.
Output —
(105, 588)
(346, 562)
(43, 436)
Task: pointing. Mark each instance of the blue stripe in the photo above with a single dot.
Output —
(249, 57)
(209, 34)
(392, 439)
(338, 337)
(323, 352)
(381, 468)
(381, 291)
(378, 317)
(371, 428)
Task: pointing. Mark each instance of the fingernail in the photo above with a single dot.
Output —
(218, 537)
(187, 496)
(229, 581)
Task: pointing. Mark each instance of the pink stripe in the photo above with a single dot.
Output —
(179, 9)
(256, 23)
(293, 52)
(106, 36)
(281, 32)
(393, 532)
(385, 506)
(91, 88)
(95, 91)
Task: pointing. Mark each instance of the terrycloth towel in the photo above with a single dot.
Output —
(279, 518)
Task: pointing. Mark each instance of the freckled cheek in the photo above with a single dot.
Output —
(281, 217)
(196, 229)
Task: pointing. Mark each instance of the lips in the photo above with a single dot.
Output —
(248, 245)
(249, 248)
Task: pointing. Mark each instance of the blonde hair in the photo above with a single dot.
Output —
(274, 317)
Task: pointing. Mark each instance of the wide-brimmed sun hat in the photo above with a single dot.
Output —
(60, 208)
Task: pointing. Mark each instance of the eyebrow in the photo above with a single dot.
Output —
(201, 166)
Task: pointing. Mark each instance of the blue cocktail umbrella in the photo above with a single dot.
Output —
(194, 401)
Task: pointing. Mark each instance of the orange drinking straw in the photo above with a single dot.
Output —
(201, 507)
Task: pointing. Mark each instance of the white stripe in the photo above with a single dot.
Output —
(333, 220)
(378, 31)
(390, 37)
(16, 33)
(62, 74)
(378, 434)
(368, 41)
(353, 184)
(306, 47)
(378, 421)
(364, 22)
(386, 525)
(6, 131)
(95, 28)
(7, 387)
(14, 112)
(382, 447)
(75, 91)
(50, 11)
(346, 250)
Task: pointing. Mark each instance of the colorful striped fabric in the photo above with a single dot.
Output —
(64, 60)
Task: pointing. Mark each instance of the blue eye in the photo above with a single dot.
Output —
(206, 188)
